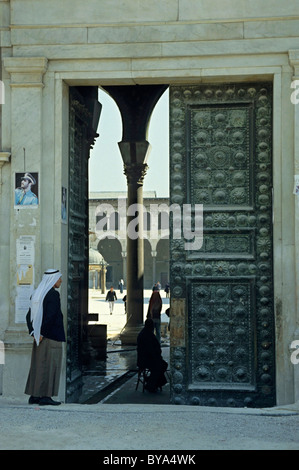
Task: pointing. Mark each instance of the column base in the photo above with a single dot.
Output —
(130, 333)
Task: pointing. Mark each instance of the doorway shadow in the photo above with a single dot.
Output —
(114, 380)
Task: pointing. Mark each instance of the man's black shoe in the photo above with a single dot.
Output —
(33, 400)
(48, 401)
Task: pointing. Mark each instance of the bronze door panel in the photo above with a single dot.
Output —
(220, 156)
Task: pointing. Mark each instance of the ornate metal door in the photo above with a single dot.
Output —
(222, 346)
(83, 119)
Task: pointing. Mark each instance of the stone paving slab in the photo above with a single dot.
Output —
(111, 427)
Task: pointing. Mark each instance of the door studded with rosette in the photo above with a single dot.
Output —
(222, 315)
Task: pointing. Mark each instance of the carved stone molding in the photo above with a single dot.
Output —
(26, 71)
(294, 62)
(4, 158)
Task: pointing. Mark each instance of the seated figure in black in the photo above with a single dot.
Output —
(149, 356)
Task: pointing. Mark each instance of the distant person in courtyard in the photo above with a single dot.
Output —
(111, 297)
(23, 195)
(154, 312)
(149, 356)
(167, 290)
(45, 324)
(121, 286)
(157, 286)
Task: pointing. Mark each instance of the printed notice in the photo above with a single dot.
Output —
(25, 251)
(24, 274)
(22, 302)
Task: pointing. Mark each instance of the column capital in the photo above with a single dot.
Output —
(134, 151)
(134, 155)
(294, 61)
(26, 71)
(4, 157)
(135, 172)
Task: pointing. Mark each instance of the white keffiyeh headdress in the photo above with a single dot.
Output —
(48, 281)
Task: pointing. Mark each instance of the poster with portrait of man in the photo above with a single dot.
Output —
(26, 190)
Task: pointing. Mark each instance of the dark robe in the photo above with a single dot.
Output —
(45, 368)
(149, 356)
(52, 322)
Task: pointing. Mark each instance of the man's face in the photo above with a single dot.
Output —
(25, 184)
(58, 283)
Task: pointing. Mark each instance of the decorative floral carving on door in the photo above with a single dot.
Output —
(220, 156)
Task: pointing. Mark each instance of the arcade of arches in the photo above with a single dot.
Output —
(114, 250)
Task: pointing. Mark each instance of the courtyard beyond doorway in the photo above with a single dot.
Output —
(114, 380)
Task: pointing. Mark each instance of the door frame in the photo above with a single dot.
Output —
(281, 132)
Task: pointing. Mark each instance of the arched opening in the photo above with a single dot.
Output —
(107, 184)
(110, 249)
(105, 163)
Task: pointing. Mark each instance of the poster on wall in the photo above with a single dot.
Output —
(26, 190)
(25, 254)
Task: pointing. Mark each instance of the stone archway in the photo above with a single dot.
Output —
(111, 249)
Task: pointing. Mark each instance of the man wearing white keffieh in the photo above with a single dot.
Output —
(45, 324)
